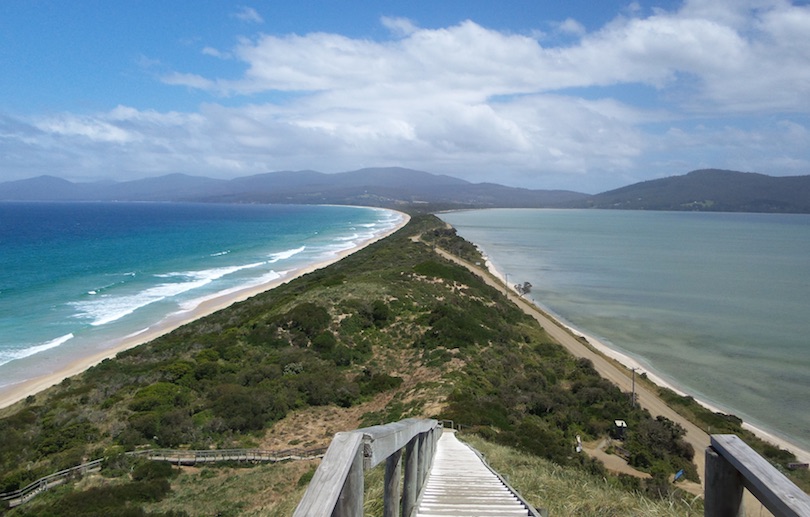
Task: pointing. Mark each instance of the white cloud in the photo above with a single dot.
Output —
(471, 101)
(248, 14)
(85, 127)
(190, 80)
(571, 26)
(771, 146)
(655, 51)
(399, 26)
(701, 52)
(210, 51)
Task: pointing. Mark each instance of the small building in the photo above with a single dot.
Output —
(620, 429)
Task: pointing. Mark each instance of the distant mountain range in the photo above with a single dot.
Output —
(384, 187)
(710, 190)
(393, 187)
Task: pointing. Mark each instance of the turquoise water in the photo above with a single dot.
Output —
(76, 277)
(716, 304)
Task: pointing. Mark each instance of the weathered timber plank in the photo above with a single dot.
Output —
(393, 483)
(776, 492)
(725, 497)
(409, 488)
(350, 502)
(324, 490)
(460, 484)
(383, 440)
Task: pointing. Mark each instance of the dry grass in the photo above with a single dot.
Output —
(571, 492)
(266, 490)
(315, 426)
(423, 389)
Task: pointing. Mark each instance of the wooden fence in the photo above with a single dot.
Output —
(336, 489)
(174, 456)
(27, 493)
(193, 457)
(732, 465)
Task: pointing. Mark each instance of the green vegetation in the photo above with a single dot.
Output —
(447, 239)
(710, 190)
(145, 482)
(393, 323)
(720, 423)
(539, 399)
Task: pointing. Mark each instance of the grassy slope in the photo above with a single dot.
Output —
(565, 491)
(389, 332)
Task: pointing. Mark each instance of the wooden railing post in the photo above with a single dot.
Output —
(340, 474)
(731, 465)
(724, 487)
(431, 450)
(435, 435)
(422, 465)
(409, 486)
(393, 469)
(336, 489)
(350, 502)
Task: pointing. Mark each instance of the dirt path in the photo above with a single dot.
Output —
(614, 372)
(612, 462)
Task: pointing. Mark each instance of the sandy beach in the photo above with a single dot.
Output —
(20, 391)
(629, 363)
(610, 368)
(611, 364)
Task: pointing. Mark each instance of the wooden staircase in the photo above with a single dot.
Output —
(420, 457)
(460, 484)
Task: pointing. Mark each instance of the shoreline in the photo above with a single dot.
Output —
(802, 455)
(20, 391)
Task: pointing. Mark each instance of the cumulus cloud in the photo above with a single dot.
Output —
(484, 104)
(702, 47)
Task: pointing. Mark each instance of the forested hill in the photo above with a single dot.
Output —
(394, 187)
(390, 187)
(710, 190)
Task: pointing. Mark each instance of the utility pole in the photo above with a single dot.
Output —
(633, 396)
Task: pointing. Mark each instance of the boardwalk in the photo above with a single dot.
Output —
(461, 485)
(175, 456)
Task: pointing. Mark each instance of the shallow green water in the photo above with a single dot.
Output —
(716, 304)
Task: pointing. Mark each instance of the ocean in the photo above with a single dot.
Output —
(715, 304)
(77, 277)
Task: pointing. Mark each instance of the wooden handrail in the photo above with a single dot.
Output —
(732, 465)
(186, 457)
(26, 493)
(380, 441)
(336, 489)
(175, 456)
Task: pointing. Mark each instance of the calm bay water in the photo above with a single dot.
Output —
(76, 276)
(716, 304)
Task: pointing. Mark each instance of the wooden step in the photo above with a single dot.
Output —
(461, 485)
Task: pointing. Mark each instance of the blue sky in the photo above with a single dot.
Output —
(577, 95)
